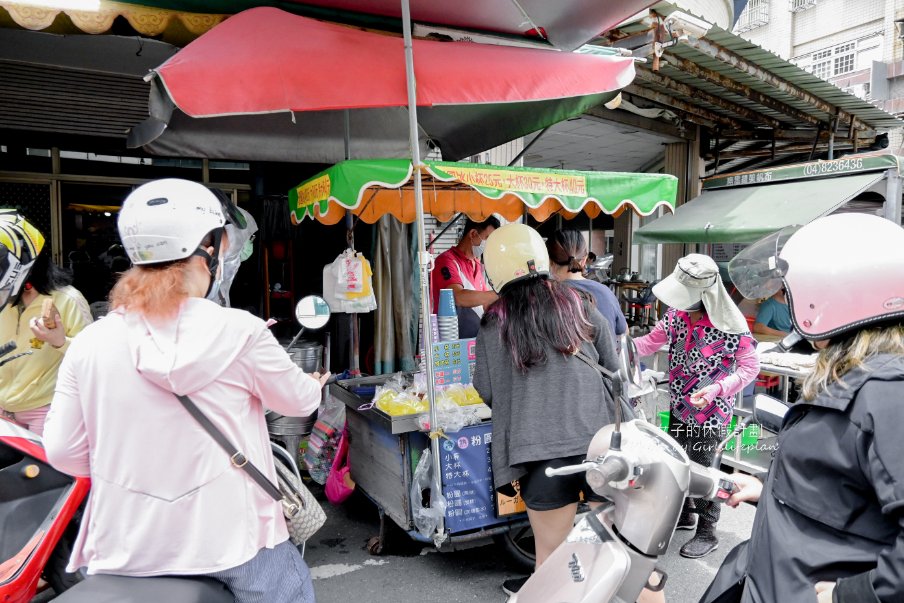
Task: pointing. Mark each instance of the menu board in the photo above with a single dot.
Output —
(453, 361)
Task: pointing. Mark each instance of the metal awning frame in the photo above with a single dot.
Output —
(741, 92)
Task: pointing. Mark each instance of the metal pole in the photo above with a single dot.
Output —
(424, 259)
(834, 125)
(528, 146)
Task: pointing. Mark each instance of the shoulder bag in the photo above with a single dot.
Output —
(304, 516)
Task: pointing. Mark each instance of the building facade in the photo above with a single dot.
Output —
(858, 45)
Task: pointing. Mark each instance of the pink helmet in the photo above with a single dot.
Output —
(841, 273)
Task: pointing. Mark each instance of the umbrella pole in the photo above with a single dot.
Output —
(424, 261)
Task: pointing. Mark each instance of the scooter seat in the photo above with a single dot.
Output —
(105, 588)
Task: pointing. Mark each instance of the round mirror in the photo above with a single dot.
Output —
(629, 363)
(312, 312)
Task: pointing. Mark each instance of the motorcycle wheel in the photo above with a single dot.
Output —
(55, 571)
(518, 543)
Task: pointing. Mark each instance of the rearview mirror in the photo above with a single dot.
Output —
(769, 412)
(629, 363)
(312, 312)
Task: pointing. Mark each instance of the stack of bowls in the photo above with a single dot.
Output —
(446, 316)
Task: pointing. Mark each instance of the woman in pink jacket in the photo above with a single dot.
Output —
(165, 499)
(712, 356)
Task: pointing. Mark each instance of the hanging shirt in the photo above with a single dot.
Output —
(700, 355)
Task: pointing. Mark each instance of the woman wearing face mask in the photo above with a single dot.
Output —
(712, 356)
(165, 498)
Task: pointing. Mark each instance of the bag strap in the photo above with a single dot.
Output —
(235, 456)
(627, 410)
(596, 367)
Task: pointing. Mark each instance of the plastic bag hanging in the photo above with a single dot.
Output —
(426, 519)
(348, 283)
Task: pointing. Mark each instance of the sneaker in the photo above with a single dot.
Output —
(700, 545)
(687, 522)
(513, 585)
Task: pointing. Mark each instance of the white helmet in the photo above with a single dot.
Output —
(842, 272)
(166, 220)
(514, 252)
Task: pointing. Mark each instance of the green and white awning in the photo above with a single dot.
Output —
(373, 188)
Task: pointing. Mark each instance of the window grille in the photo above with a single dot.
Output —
(756, 14)
(799, 5)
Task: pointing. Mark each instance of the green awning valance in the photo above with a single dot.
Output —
(746, 214)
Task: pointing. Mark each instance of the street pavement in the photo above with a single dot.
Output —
(408, 571)
(412, 572)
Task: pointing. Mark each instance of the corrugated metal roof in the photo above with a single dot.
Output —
(770, 63)
(866, 112)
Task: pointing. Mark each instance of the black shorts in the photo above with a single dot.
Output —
(541, 493)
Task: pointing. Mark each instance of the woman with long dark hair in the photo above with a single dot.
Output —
(534, 350)
(568, 255)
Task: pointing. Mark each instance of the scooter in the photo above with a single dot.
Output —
(611, 553)
(39, 512)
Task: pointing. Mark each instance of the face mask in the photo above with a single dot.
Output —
(477, 250)
(247, 250)
(697, 307)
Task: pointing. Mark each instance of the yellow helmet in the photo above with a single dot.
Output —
(514, 252)
(20, 244)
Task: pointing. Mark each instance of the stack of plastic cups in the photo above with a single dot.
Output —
(446, 316)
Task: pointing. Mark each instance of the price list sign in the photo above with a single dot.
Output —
(453, 361)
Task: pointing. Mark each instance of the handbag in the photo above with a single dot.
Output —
(303, 513)
(339, 485)
(628, 413)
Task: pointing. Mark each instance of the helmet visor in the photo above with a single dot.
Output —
(233, 215)
(757, 271)
(12, 276)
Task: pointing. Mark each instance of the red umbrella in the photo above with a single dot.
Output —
(269, 85)
(565, 24)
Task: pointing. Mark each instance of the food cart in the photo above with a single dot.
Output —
(384, 449)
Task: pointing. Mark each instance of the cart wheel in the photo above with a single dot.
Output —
(375, 545)
(519, 544)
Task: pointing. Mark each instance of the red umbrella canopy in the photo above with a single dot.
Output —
(280, 87)
(565, 24)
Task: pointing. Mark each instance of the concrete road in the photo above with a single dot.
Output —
(408, 571)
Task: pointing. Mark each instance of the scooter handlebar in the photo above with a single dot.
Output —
(570, 469)
(611, 468)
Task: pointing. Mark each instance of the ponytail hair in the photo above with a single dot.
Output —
(567, 248)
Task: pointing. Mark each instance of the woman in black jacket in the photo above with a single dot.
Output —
(829, 525)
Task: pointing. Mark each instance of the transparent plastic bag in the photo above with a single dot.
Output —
(426, 519)
(323, 440)
(450, 416)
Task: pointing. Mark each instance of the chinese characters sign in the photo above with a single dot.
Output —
(521, 181)
(453, 361)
